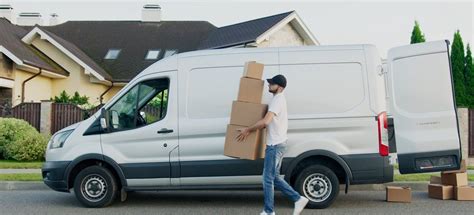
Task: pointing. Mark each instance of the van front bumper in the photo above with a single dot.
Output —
(54, 175)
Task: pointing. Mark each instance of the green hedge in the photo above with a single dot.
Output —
(20, 141)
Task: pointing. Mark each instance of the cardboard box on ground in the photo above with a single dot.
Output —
(451, 185)
(439, 191)
(398, 194)
(464, 193)
(455, 179)
(246, 111)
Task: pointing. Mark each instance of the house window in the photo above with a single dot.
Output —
(152, 54)
(112, 54)
(170, 52)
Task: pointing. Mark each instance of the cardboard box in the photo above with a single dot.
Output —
(455, 179)
(438, 191)
(253, 70)
(462, 169)
(250, 90)
(398, 194)
(250, 148)
(247, 114)
(464, 193)
(435, 180)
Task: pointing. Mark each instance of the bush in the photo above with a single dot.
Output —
(20, 141)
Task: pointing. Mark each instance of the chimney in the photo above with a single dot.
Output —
(53, 19)
(29, 19)
(6, 11)
(151, 13)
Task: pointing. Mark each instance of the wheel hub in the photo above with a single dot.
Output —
(317, 187)
(94, 188)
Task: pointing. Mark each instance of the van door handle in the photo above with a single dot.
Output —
(165, 131)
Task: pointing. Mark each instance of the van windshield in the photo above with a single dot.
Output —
(144, 104)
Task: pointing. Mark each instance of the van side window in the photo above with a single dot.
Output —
(144, 104)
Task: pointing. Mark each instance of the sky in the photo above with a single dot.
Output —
(385, 24)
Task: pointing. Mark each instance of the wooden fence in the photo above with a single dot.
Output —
(63, 115)
(30, 112)
(471, 132)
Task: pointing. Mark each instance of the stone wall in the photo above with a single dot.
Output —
(463, 120)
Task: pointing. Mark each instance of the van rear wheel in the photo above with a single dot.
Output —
(319, 185)
(95, 187)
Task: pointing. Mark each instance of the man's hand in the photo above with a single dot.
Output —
(243, 133)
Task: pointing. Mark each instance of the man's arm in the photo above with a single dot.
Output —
(244, 132)
(262, 123)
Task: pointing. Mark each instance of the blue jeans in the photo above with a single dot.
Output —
(271, 179)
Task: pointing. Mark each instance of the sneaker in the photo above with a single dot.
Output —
(263, 213)
(299, 205)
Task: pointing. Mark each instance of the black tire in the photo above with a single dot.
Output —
(95, 187)
(318, 177)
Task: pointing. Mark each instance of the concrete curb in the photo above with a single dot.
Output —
(19, 171)
(22, 185)
(415, 186)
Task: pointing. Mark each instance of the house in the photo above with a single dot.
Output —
(97, 58)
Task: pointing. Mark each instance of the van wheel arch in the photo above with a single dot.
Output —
(327, 158)
(87, 160)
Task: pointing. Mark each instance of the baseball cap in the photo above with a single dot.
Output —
(278, 79)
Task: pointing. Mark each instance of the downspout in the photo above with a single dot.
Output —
(101, 98)
(24, 82)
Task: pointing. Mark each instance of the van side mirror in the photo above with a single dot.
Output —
(103, 119)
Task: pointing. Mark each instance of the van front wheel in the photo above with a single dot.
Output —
(95, 187)
(319, 184)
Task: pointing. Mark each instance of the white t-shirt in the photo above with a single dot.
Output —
(278, 127)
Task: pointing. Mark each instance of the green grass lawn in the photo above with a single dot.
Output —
(420, 177)
(6, 164)
(395, 166)
(21, 177)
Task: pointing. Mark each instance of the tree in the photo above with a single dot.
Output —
(75, 99)
(469, 77)
(416, 35)
(79, 100)
(457, 64)
(62, 98)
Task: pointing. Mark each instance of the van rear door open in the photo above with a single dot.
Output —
(423, 106)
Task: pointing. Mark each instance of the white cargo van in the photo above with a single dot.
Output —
(166, 128)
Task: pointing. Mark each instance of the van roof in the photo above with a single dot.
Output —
(169, 63)
(253, 50)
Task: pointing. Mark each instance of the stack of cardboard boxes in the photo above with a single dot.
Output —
(246, 111)
(451, 185)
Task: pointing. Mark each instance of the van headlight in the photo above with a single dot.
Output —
(57, 141)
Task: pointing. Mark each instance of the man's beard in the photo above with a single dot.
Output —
(272, 91)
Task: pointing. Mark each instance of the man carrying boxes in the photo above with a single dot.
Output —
(276, 123)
